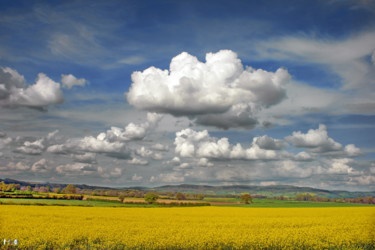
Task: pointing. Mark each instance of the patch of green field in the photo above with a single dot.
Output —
(216, 199)
(85, 203)
(52, 202)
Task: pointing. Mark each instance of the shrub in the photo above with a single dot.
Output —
(151, 198)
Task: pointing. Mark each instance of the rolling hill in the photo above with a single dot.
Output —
(269, 191)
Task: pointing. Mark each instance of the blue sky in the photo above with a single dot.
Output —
(125, 93)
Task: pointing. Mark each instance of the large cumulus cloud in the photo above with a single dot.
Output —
(318, 141)
(14, 92)
(219, 88)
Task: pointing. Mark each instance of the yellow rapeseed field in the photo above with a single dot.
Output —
(39, 227)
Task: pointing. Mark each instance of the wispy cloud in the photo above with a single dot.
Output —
(349, 58)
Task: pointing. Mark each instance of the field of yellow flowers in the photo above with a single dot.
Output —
(41, 227)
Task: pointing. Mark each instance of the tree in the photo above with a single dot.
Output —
(151, 198)
(180, 196)
(370, 200)
(246, 198)
(70, 189)
(44, 189)
(304, 197)
(57, 190)
(200, 196)
(121, 197)
(281, 198)
(9, 187)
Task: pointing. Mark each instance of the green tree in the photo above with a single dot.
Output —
(200, 196)
(56, 190)
(70, 189)
(121, 197)
(304, 197)
(151, 198)
(9, 187)
(246, 198)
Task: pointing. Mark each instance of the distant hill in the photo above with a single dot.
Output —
(269, 191)
(51, 185)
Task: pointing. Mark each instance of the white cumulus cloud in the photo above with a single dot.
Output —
(77, 169)
(58, 149)
(69, 81)
(219, 85)
(15, 93)
(32, 148)
(317, 141)
(38, 146)
(303, 156)
(352, 151)
(85, 158)
(40, 166)
(99, 145)
(340, 166)
(190, 143)
(136, 161)
(204, 162)
(146, 153)
(133, 131)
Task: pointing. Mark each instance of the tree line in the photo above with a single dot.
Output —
(135, 193)
(312, 197)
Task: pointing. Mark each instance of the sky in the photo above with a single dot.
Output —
(149, 93)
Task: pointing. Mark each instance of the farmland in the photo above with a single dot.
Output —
(274, 203)
(44, 202)
(126, 219)
(132, 202)
(102, 202)
(203, 227)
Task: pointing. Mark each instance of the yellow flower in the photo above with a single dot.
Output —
(41, 227)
